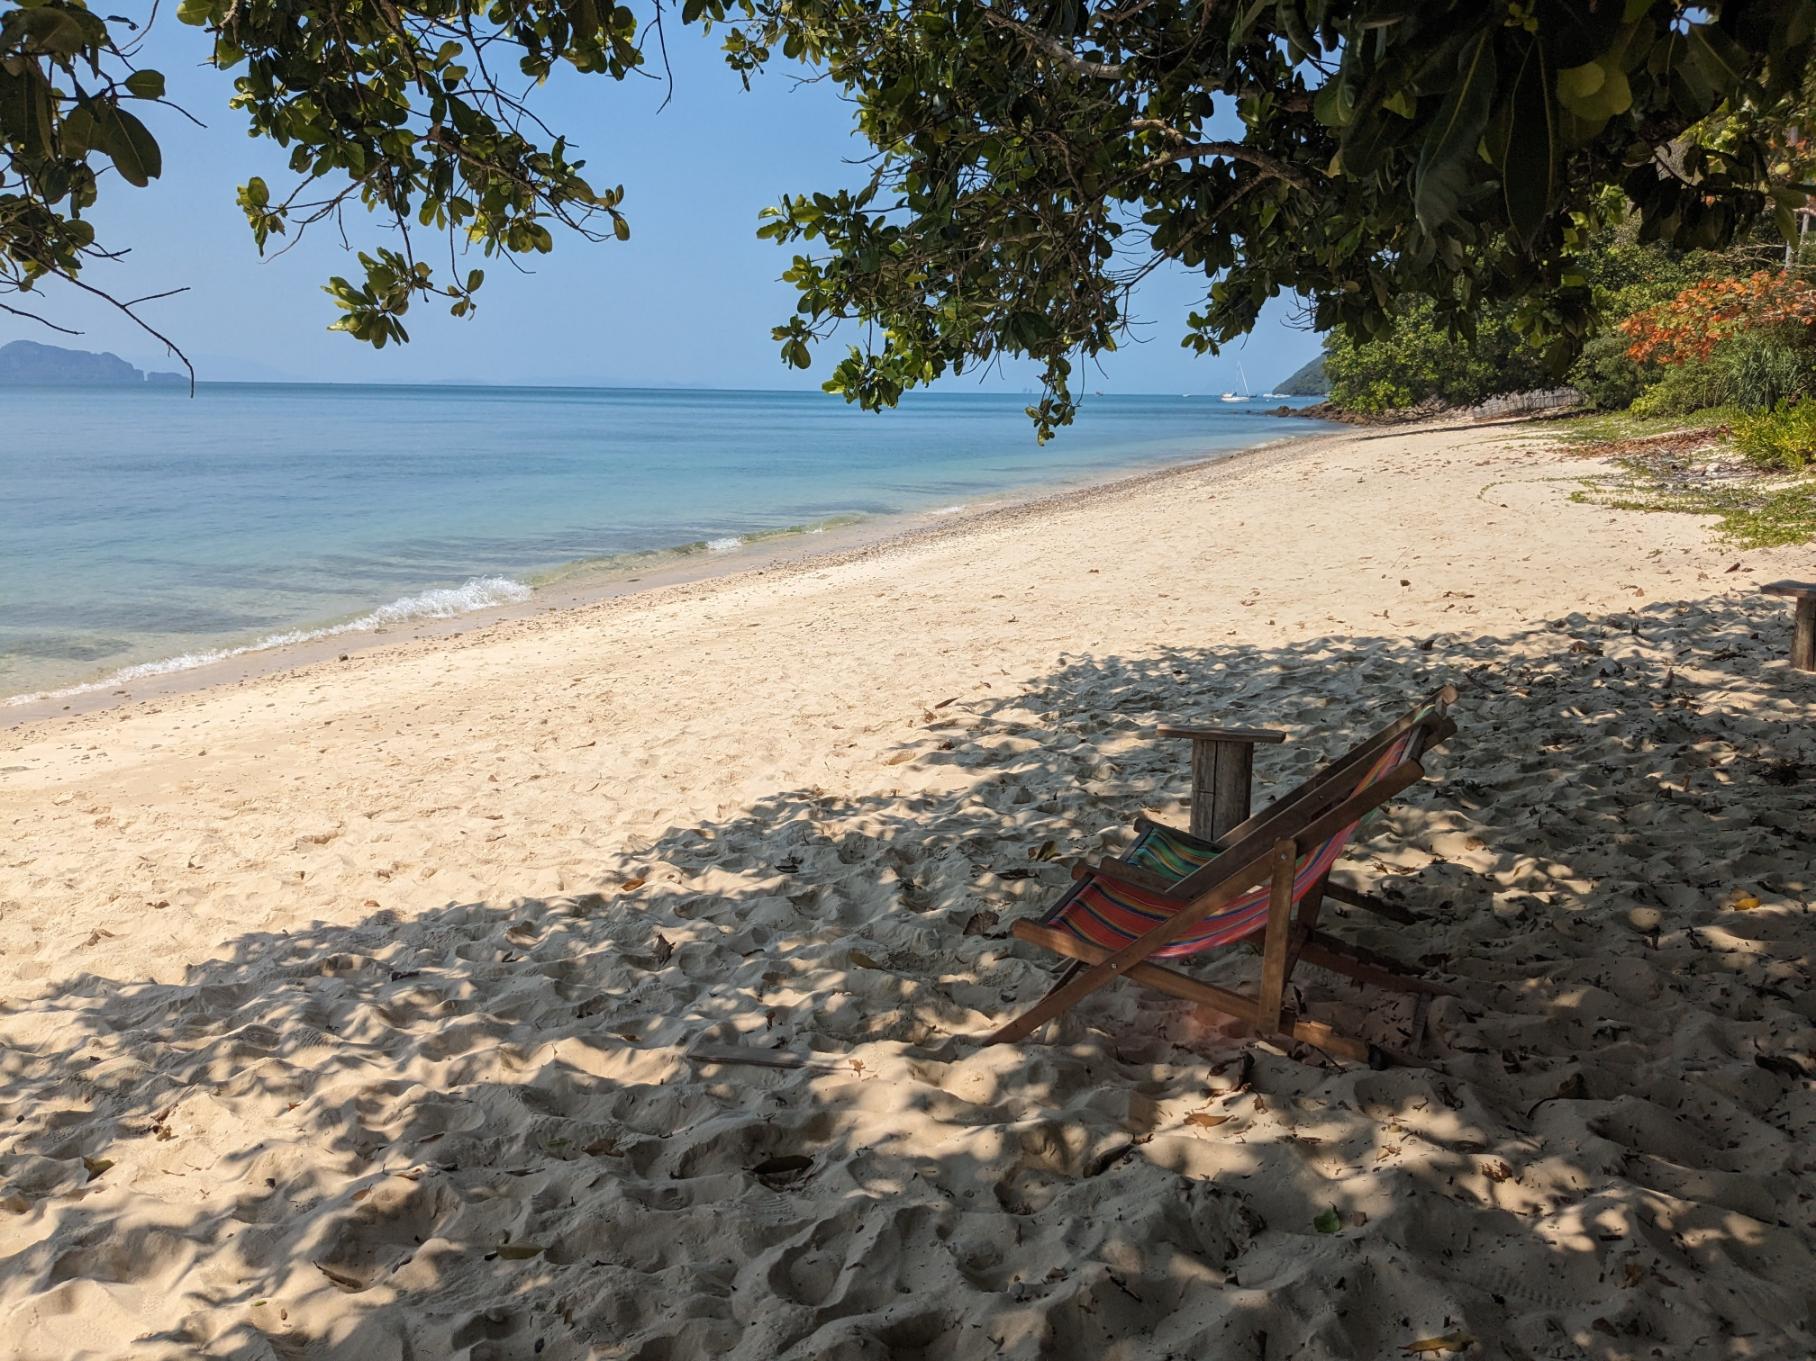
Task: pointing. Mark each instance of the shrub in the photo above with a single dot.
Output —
(1682, 389)
(1607, 376)
(1783, 438)
(1689, 327)
(1764, 368)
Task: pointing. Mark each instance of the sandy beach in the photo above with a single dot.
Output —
(347, 1011)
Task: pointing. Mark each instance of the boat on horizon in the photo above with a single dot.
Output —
(1246, 395)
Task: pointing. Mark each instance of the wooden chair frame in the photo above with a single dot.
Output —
(1265, 849)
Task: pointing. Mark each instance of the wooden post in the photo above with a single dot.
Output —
(1803, 638)
(1223, 768)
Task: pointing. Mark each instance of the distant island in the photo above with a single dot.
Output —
(25, 363)
(1309, 381)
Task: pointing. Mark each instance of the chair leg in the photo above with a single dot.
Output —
(1175, 984)
(1276, 944)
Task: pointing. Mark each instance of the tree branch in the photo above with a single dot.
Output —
(1058, 51)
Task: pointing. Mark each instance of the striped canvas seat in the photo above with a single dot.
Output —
(1112, 913)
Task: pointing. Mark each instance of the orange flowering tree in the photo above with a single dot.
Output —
(1689, 326)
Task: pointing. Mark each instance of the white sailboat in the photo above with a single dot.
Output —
(1245, 395)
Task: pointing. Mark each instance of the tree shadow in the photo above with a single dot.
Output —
(478, 1131)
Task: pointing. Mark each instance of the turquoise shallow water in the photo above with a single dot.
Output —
(145, 530)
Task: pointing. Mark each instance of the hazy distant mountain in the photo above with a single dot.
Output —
(27, 363)
(1307, 382)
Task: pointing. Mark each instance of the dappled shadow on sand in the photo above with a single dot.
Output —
(477, 1131)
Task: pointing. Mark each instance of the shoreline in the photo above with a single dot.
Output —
(806, 550)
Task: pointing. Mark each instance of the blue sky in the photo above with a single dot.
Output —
(689, 300)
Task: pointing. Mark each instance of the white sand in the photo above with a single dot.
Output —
(345, 1010)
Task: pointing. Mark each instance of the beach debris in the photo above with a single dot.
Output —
(632, 885)
(1205, 1120)
(518, 1252)
(1450, 1342)
(980, 923)
(96, 1166)
(864, 961)
(1782, 1064)
(345, 1280)
(1741, 901)
(1328, 1222)
(788, 865)
(900, 758)
(1047, 850)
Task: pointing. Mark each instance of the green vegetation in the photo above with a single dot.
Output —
(1032, 161)
(1309, 380)
(1782, 438)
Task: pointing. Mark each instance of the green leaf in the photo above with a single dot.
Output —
(1450, 145)
(146, 84)
(1721, 60)
(1529, 165)
(129, 144)
(25, 111)
(1328, 1222)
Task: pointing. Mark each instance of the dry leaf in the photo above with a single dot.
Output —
(631, 885)
(519, 1252)
(96, 1166)
(1045, 851)
(980, 922)
(899, 757)
(1205, 1120)
(1743, 902)
(341, 1278)
(864, 961)
(1450, 1342)
(1497, 1171)
(664, 948)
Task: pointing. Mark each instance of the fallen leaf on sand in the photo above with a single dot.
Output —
(864, 961)
(631, 885)
(1205, 1120)
(519, 1252)
(1450, 1342)
(899, 757)
(1045, 851)
(1328, 1222)
(980, 922)
(96, 1166)
(1743, 902)
(341, 1278)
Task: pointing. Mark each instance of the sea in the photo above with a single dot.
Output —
(145, 531)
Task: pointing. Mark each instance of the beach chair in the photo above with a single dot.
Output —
(1269, 875)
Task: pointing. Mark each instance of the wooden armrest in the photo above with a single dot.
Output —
(1250, 735)
(1146, 880)
(1802, 590)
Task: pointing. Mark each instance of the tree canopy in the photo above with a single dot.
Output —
(1032, 162)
